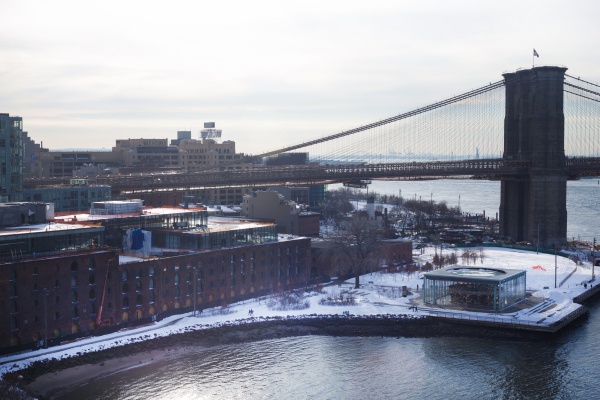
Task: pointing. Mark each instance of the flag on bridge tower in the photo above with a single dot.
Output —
(535, 53)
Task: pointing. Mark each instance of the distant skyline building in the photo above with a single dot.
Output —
(11, 157)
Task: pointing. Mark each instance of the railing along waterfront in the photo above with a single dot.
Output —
(511, 320)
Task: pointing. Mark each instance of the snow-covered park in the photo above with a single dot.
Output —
(380, 293)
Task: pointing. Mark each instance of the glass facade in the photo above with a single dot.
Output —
(207, 240)
(152, 222)
(11, 157)
(69, 198)
(475, 288)
(50, 241)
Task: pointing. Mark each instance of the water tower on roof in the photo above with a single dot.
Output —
(210, 132)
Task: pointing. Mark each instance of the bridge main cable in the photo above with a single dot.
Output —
(386, 121)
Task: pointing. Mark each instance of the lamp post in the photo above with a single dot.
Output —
(195, 286)
(593, 258)
(308, 265)
(555, 266)
(538, 240)
(46, 292)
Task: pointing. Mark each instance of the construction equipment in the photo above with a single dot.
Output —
(99, 322)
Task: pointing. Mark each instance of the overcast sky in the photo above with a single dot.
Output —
(269, 73)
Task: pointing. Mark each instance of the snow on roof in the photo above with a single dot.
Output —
(40, 228)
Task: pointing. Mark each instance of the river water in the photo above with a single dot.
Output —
(566, 366)
(475, 196)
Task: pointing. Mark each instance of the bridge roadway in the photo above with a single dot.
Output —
(493, 169)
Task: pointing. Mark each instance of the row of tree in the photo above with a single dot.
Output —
(355, 240)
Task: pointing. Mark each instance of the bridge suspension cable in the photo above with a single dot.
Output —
(434, 106)
(582, 117)
(466, 126)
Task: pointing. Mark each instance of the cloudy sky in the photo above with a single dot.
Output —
(269, 73)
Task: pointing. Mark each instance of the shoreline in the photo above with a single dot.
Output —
(52, 384)
(49, 378)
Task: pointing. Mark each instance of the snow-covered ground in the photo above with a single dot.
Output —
(380, 293)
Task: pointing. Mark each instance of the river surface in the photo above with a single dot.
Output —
(475, 196)
(566, 366)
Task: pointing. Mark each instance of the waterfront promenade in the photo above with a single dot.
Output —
(547, 309)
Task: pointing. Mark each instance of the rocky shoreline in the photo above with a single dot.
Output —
(45, 379)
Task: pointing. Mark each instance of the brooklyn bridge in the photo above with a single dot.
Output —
(533, 130)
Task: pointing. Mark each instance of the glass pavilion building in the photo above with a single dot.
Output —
(481, 289)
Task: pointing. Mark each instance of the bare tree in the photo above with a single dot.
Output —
(336, 205)
(356, 245)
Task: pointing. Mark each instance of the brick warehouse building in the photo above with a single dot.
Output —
(137, 290)
(84, 289)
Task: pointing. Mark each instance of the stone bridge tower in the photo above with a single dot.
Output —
(533, 207)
